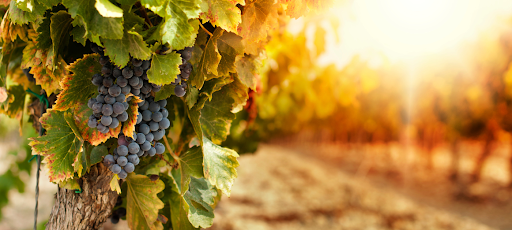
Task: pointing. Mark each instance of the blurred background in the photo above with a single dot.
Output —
(391, 114)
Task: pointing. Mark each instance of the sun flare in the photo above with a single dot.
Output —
(410, 29)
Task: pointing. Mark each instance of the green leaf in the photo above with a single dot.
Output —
(94, 23)
(119, 50)
(15, 102)
(200, 198)
(190, 164)
(44, 39)
(222, 13)
(79, 34)
(97, 154)
(165, 92)
(25, 5)
(192, 96)
(149, 165)
(60, 27)
(209, 61)
(77, 86)
(164, 68)
(142, 202)
(49, 3)
(107, 9)
(179, 210)
(230, 47)
(178, 30)
(59, 146)
(219, 165)
(71, 184)
(249, 69)
(19, 16)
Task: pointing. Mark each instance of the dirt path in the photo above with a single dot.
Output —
(282, 189)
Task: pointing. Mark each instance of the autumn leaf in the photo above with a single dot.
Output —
(142, 202)
(222, 13)
(59, 146)
(209, 62)
(77, 86)
(92, 135)
(133, 111)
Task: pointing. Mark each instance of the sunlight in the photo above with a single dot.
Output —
(411, 29)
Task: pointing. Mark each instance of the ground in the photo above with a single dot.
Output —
(287, 185)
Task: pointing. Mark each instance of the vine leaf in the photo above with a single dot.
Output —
(133, 111)
(77, 86)
(209, 62)
(60, 28)
(194, 208)
(177, 30)
(132, 43)
(222, 13)
(107, 9)
(190, 164)
(92, 135)
(15, 101)
(258, 19)
(114, 184)
(32, 14)
(248, 69)
(165, 92)
(230, 47)
(46, 70)
(219, 165)
(164, 68)
(93, 22)
(142, 202)
(59, 146)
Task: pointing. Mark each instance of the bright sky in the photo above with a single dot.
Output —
(404, 30)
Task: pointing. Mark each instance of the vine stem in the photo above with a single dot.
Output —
(170, 149)
(143, 12)
(205, 30)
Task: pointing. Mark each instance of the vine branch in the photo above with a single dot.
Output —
(205, 30)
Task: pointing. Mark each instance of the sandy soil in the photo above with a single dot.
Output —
(289, 186)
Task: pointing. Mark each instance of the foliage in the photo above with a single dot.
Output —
(50, 40)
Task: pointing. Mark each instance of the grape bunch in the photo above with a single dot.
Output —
(151, 124)
(185, 70)
(114, 86)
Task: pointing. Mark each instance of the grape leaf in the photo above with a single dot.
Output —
(178, 30)
(190, 164)
(107, 9)
(42, 67)
(59, 146)
(249, 69)
(230, 47)
(142, 202)
(132, 43)
(114, 184)
(193, 208)
(71, 184)
(222, 13)
(210, 59)
(19, 16)
(192, 96)
(15, 102)
(164, 68)
(49, 3)
(108, 28)
(258, 19)
(149, 165)
(92, 135)
(219, 165)
(201, 198)
(78, 33)
(60, 27)
(133, 111)
(165, 92)
(77, 86)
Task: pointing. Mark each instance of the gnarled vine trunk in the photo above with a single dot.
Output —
(86, 210)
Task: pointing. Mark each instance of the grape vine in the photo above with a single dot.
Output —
(127, 75)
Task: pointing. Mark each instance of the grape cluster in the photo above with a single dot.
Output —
(151, 124)
(185, 70)
(114, 86)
